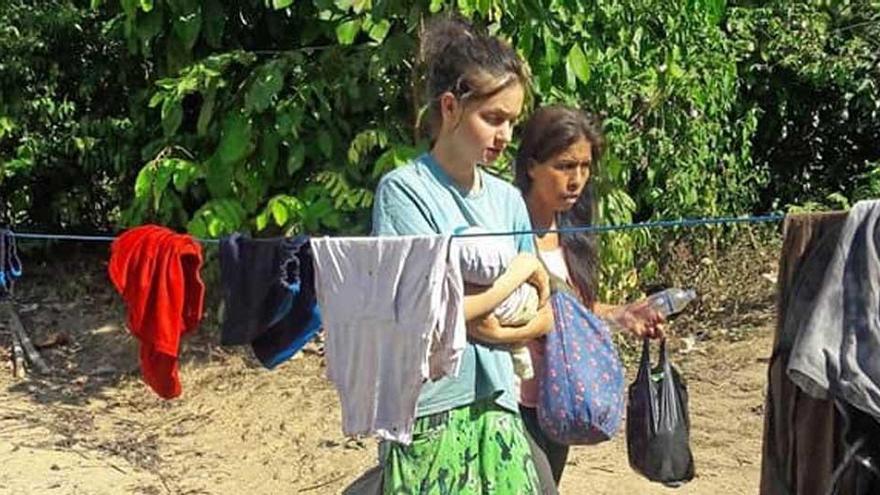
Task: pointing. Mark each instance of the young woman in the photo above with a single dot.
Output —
(468, 435)
(557, 158)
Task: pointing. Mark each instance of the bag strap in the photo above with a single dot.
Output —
(663, 356)
(645, 361)
(560, 285)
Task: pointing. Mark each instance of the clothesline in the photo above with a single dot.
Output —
(685, 222)
(277, 292)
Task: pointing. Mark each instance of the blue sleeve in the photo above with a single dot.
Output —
(522, 222)
(398, 211)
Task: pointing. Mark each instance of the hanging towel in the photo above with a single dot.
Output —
(393, 312)
(269, 294)
(156, 271)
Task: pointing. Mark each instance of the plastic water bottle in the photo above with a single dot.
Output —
(671, 301)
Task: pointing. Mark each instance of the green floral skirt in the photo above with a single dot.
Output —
(475, 449)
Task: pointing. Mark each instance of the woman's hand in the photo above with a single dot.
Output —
(487, 329)
(639, 318)
(541, 281)
(527, 267)
(521, 267)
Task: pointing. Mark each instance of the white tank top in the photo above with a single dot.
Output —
(555, 261)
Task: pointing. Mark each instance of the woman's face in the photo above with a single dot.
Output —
(558, 182)
(483, 129)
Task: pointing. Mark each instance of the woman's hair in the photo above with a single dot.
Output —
(550, 131)
(462, 60)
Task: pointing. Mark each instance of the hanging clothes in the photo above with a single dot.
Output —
(394, 317)
(802, 435)
(10, 265)
(156, 271)
(837, 349)
(269, 294)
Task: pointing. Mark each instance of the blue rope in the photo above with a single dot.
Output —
(73, 237)
(687, 222)
(62, 237)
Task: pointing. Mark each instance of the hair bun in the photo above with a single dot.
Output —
(443, 31)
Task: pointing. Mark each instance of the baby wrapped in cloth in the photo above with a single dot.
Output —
(484, 259)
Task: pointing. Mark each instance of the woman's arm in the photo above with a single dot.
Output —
(489, 330)
(521, 269)
(638, 318)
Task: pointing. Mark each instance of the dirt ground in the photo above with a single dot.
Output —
(92, 427)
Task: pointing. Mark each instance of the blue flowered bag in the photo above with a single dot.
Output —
(581, 387)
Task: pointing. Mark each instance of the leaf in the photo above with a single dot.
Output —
(206, 112)
(183, 6)
(156, 99)
(380, 30)
(395, 157)
(570, 78)
(187, 27)
(129, 7)
(296, 159)
(551, 50)
(269, 144)
(526, 41)
(281, 4)
(149, 25)
(279, 213)
(484, 6)
(268, 82)
(361, 5)
(143, 184)
(219, 177)
(185, 172)
(364, 142)
(578, 63)
(214, 22)
(332, 220)
(217, 217)
(146, 5)
(7, 125)
(235, 139)
(289, 122)
(262, 221)
(435, 6)
(177, 56)
(164, 171)
(172, 116)
(347, 31)
(325, 143)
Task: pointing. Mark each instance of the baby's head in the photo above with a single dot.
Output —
(483, 258)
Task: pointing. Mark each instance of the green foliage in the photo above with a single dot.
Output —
(287, 122)
(296, 103)
(813, 70)
(275, 116)
(70, 133)
(679, 137)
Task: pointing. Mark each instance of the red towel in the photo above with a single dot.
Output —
(157, 273)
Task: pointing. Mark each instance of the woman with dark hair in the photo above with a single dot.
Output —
(558, 156)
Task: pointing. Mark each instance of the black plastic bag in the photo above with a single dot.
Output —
(657, 424)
